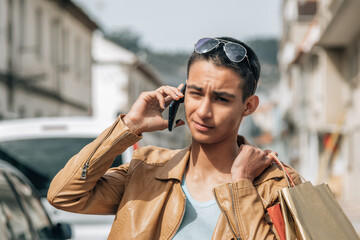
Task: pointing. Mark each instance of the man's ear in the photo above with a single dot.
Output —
(251, 104)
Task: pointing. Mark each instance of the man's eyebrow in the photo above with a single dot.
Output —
(195, 87)
(223, 94)
(216, 93)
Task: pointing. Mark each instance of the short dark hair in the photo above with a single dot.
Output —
(219, 58)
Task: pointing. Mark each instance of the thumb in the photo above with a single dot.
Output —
(164, 124)
(156, 125)
(241, 147)
(179, 123)
(269, 159)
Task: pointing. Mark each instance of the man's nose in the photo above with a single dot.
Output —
(205, 109)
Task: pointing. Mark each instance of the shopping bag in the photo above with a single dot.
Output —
(311, 212)
(278, 220)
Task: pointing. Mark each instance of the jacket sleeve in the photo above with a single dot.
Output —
(86, 184)
(245, 210)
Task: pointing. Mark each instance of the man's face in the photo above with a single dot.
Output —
(213, 103)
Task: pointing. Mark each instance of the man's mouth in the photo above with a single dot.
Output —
(201, 126)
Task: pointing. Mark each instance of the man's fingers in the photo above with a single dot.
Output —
(165, 94)
(168, 100)
(271, 154)
(179, 123)
(267, 151)
(161, 99)
(180, 86)
(170, 91)
(269, 159)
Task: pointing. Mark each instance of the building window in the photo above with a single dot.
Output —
(22, 23)
(38, 113)
(87, 60)
(54, 45)
(39, 32)
(354, 65)
(306, 10)
(2, 16)
(65, 49)
(77, 57)
(22, 111)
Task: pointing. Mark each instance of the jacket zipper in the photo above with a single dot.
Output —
(87, 163)
(233, 207)
(227, 218)
(84, 170)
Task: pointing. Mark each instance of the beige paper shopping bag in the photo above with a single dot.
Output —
(312, 212)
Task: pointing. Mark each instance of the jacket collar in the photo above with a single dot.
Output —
(175, 167)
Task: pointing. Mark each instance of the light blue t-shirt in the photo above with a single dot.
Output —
(199, 219)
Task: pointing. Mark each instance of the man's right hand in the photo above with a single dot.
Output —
(145, 113)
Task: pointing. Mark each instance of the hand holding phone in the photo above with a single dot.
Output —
(145, 114)
(173, 109)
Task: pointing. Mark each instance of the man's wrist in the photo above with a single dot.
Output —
(238, 176)
(134, 128)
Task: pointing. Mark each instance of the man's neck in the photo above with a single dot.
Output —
(209, 160)
(209, 166)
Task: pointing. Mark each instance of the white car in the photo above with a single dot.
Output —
(40, 147)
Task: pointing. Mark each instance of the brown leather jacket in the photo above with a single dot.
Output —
(146, 195)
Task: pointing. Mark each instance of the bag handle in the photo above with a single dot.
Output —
(288, 178)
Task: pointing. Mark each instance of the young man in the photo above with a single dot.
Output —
(217, 188)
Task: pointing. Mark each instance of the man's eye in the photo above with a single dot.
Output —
(195, 93)
(221, 99)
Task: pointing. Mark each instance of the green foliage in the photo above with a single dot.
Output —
(266, 49)
(171, 66)
(127, 39)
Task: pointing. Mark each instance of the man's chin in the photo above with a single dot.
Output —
(203, 139)
(213, 138)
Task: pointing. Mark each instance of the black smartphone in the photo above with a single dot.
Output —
(173, 109)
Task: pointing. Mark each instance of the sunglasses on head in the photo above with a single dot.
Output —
(234, 51)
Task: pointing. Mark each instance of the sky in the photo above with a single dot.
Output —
(168, 25)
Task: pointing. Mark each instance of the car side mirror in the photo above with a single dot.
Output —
(63, 230)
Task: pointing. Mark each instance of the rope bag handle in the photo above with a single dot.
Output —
(288, 178)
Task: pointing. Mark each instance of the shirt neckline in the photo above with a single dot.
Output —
(194, 202)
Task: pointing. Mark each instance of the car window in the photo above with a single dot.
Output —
(11, 212)
(51, 153)
(50, 157)
(39, 219)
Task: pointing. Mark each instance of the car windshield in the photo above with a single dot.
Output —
(41, 159)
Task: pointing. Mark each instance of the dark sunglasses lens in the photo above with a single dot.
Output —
(205, 45)
(235, 52)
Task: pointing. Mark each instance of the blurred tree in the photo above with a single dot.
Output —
(172, 66)
(127, 39)
(265, 48)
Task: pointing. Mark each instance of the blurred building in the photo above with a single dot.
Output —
(320, 61)
(119, 76)
(45, 60)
